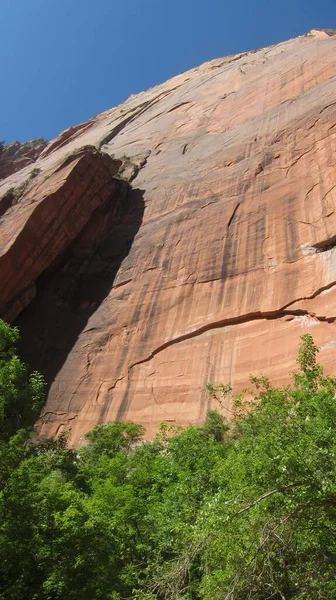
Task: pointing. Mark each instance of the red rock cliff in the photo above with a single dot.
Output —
(15, 156)
(210, 266)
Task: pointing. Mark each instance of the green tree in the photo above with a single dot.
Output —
(218, 512)
(215, 425)
(271, 528)
(21, 392)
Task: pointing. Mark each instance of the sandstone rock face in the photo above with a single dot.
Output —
(215, 262)
(38, 229)
(15, 156)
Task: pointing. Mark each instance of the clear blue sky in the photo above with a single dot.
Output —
(63, 61)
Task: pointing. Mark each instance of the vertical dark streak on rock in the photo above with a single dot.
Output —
(233, 214)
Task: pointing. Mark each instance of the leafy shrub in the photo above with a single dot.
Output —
(207, 513)
(21, 392)
(34, 173)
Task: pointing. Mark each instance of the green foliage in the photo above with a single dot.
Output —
(21, 392)
(277, 499)
(215, 425)
(34, 173)
(218, 512)
(113, 437)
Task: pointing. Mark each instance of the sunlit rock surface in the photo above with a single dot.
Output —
(209, 267)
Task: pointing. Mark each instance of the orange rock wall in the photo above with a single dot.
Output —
(223, 255)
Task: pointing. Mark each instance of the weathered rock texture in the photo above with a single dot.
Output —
(211, 267)
(15, 156)
(46, 219)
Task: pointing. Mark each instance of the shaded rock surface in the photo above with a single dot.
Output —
(45, 218)
(215, 262)
(15, 156)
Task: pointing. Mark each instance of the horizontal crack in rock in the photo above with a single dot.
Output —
(277, 314)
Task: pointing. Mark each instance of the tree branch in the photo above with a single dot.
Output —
(283, 488)
(327, 502)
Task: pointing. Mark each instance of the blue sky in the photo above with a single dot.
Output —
(63, 61)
